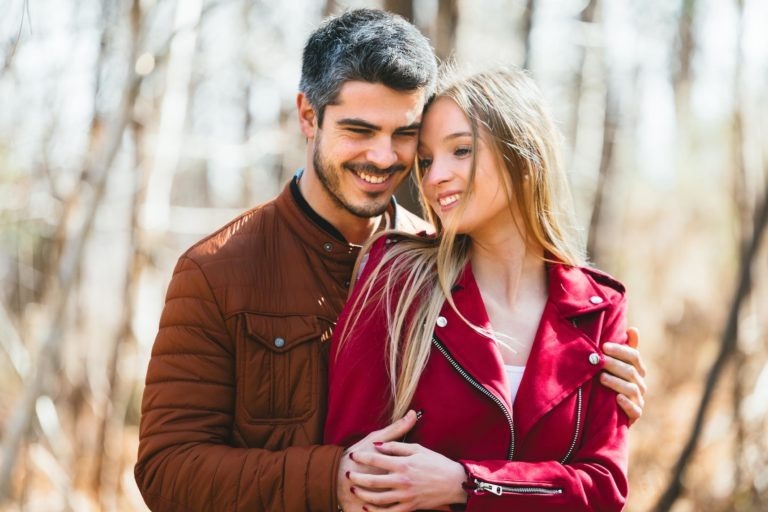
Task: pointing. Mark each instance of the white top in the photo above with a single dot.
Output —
(514, 376)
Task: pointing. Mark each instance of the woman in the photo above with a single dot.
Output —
(492, 329)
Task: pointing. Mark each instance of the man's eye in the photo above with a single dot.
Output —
(359, 131)
(409, 133)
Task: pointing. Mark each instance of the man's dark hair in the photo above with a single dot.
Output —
(368, 45)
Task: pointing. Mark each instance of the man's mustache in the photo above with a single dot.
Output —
(372, 169)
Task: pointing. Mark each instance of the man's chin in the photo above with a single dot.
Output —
(367, 211)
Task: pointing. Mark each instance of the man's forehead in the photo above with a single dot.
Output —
(363, 100)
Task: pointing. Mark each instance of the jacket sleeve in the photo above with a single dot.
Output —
(358, 383)
(594, 478)
(185, 458)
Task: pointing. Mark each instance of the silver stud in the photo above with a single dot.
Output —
(595, 299)
(328, 246)
(442, 321)
(594, 358)
(279, 342)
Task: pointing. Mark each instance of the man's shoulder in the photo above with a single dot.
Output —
(411, 223)
(236, 239)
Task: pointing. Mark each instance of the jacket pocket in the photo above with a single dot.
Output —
(277, 364)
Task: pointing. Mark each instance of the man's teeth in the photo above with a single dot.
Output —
(371, 178)
(445, 201)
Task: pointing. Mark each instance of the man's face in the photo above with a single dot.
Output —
(366, 145)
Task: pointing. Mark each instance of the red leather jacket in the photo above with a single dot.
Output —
(561, 446)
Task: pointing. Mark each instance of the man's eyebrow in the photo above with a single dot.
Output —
(359, 123)
(411, 127)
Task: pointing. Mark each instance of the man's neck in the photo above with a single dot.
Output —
(355, 230)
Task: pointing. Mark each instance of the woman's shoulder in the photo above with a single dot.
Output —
(589, 279)
(604, 280)
(385, 245)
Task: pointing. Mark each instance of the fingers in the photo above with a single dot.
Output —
(377, 460)
(395, 430)
(633, 337)
(625, 354)
(397, 449)
(629, 397)
(380, 500)
(630, 408)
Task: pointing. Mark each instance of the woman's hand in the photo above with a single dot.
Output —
(416, 478)
(348, 464)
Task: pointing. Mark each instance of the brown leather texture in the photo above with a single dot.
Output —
(236, 389)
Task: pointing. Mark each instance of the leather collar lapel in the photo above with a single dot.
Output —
(560, 358)
(476, 353)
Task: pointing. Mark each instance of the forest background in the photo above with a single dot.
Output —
(129, 129)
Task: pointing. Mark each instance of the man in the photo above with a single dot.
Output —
(234, 405)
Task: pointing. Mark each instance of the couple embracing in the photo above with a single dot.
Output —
(478, 363)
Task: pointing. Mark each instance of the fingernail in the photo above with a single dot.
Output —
(377, 443)
(347, 474)
(419, 414)
(350, 456)
(352, 490)
(365, 508)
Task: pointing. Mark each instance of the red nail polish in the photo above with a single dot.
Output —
(350, 456)
(347, 474)
(365, 508)
(352, 490)
(378, 443)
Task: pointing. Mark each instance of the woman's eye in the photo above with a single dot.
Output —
(424, 163)
(462, 151)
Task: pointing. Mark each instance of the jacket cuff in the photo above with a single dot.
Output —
(321, 477)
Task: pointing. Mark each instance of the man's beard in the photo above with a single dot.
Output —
(330, 177)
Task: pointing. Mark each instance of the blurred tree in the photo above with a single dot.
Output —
(446, 25)
(402, 7)
(527, 31)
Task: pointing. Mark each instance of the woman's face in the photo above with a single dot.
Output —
(445, 157)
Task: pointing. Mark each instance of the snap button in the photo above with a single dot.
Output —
(595, 299)
(346, 284)
(328, 246)
(594, 358)
(442, 321)
(279, 342)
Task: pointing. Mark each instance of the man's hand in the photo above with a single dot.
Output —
(625, 374)
(348, 501)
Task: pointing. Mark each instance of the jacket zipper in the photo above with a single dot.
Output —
(498, 490)
(439, 346)
(578, 428)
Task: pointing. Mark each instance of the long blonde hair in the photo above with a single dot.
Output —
(415, 276)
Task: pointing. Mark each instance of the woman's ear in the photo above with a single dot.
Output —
(307, 116)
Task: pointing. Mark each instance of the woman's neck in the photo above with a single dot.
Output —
(506, 269)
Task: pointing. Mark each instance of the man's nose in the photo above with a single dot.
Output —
(382, 153)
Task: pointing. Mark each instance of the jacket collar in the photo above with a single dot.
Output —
(559, 361)
(321, 236)
(337, 255)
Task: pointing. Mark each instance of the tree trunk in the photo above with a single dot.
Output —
(527, 32)
(728, 346)
(445, 29)
(19, 423)
(402, 7)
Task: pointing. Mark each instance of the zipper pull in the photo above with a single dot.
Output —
(487, 486)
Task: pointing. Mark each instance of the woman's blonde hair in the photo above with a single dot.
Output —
(415, 276)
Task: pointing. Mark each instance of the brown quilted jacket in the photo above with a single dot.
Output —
(235, 398)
